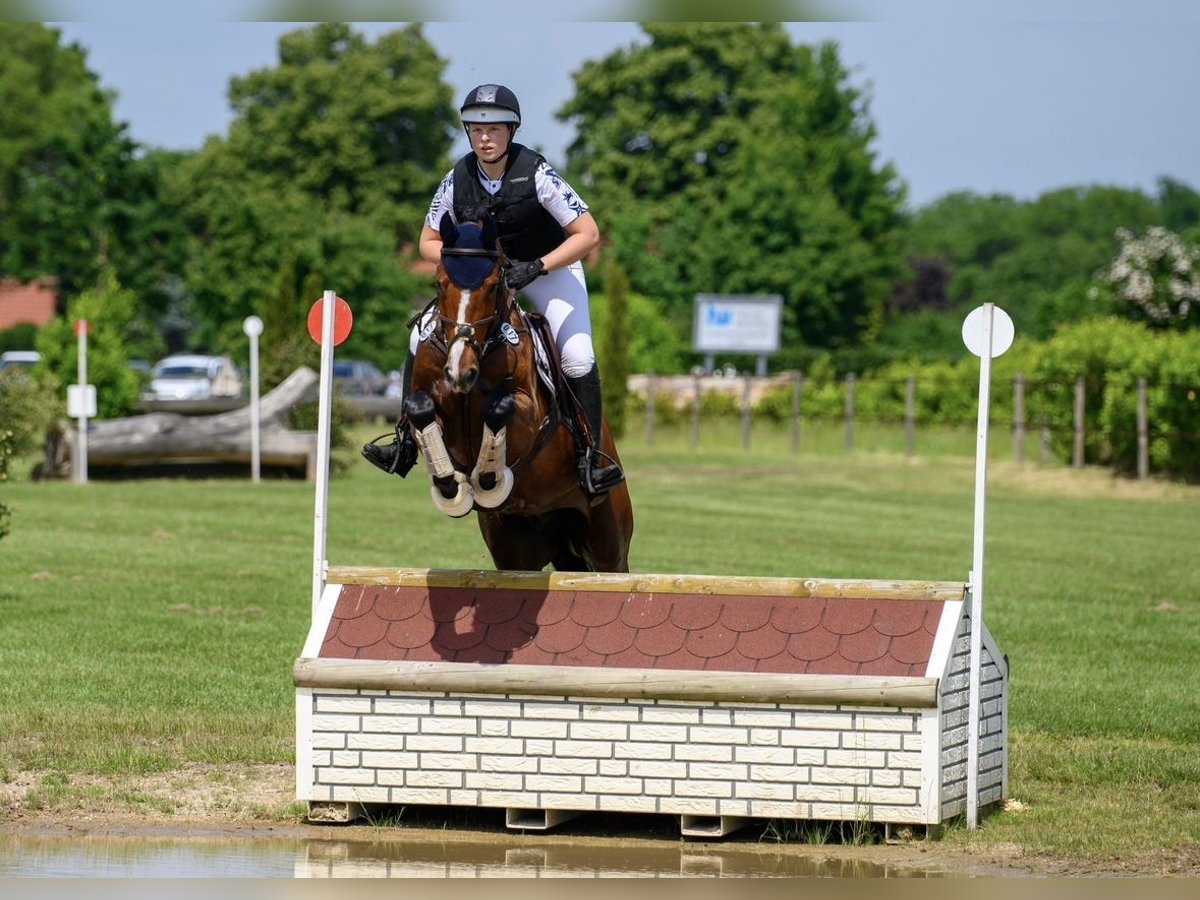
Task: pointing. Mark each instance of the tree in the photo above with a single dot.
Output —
(329, 166)
(721, 158)
(1157, 278)
(615, 362)
(65, 165)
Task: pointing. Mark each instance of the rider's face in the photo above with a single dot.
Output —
(488, 140)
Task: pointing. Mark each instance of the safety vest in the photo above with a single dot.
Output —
(526, 230)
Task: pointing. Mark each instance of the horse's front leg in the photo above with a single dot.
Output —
(450, 491)
(492, 479)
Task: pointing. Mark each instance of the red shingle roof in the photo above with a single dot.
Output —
(726, 633)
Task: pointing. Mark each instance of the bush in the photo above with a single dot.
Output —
(30, 405)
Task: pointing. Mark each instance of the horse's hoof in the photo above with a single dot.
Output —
(493, 497)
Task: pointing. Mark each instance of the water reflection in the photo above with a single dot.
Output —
(402, 857)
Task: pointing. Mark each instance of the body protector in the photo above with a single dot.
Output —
(526, 230)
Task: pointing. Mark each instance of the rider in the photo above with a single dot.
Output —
(546, 230)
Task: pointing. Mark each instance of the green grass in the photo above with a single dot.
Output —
(146, 625)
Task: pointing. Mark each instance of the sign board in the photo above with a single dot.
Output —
(737, 323)
(81, 401)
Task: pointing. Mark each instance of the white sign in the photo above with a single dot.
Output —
(737, 323)
(1001, 326)
(81, 401)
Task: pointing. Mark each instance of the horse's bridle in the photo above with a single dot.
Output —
(467, 330)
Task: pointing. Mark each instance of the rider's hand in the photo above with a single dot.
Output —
(519, 274)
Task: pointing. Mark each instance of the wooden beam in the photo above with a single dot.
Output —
(821, 588)
(633, 684)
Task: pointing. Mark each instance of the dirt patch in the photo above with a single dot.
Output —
(258, 802)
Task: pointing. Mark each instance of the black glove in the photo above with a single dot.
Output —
(520, 274)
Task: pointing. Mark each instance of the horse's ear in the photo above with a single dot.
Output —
(489, 231)
(448, 230)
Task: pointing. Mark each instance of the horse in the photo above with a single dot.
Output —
(498, 437)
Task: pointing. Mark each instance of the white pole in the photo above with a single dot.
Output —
(81, 330)
(253, 327)
(981, 449)
(320, 526)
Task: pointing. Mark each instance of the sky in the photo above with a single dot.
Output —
(1018, 103)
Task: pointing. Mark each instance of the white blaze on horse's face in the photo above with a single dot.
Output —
(462, 381)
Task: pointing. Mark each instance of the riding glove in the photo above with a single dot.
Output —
(520, 274)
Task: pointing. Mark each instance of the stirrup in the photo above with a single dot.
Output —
(396, 458)
(598, 481)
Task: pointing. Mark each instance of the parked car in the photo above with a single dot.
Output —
(194, 377)
(357, 378)
(19, 359)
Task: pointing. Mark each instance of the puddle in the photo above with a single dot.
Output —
(140, 857)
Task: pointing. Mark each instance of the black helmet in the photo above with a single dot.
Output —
(491, 103)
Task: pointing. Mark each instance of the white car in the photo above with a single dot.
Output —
(194, 377)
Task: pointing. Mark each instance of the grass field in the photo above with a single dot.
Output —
(148, 624)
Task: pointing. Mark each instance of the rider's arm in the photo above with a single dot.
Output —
(430, 244)
(583, 236)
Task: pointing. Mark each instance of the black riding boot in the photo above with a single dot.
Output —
(598, 473)
(399, 456)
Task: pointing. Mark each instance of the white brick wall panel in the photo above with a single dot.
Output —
(775, 809)
(493, 727)
(515, 799)
(870, 740)
(887, 777)
(598, 784)
(762, 718)
(346, 758)
(463, 762)
(827, 775)
(793, 738)
(435, 743)
(448, 707)
(822, 721)
(572, 711)
(958, 681)
(618, 803)
(489, 763)
(703, 734)
(593, 749)
(446, 725)
(425, 778)
(372, 794)
(598, 731)
(825, 793)
(716, 715)
(669, 715)
(703, 752)
(342, 703)
(539, 747)
(659, 733)
(900, 815)
(732, 807)
(780, 756)
(492, 709)
(611, 712)
(572, 800)
(658, 786)
(855, 758)
(525, 729)
(650, 768)
(429, 796)
(764, 790)
(494, 745)
(912, 778)
(614, 768)
(792, 774)
(321, 758)
(389, 759)
(954, 736)
(328, 740)
(391, 724)
(376, 741)
(633, 750)
(912, 743)
(555, 783)
(334, 775)
(894, 796)
(764, 737)
(335, 722)
(718, 771)
(494, 781)
(692, 806)
(897, 721)
(553, 765)
(464, 798)
(898, 759)
(390, 777)
(402, 706)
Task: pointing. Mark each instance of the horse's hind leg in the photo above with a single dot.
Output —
(515, 542)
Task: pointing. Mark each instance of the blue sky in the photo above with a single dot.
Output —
(1019, 104)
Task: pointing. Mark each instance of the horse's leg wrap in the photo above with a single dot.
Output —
(492, 479)
(451, 493)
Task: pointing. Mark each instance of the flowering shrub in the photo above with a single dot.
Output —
(1158, 274)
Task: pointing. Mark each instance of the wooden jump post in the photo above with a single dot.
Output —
(721, 700)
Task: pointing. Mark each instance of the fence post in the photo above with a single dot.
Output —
(1077, 454)
(850, 379)
(1019, 417)
(797, 383)
(651, 391)
(1143, 432)
(910, 415)
(746, 412)
(695, 410)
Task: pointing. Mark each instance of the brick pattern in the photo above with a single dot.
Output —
(31, 302)
(955, 704)
(571, 753)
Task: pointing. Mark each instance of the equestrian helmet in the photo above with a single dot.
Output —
(491, 103)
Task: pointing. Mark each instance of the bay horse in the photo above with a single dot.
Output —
(497, 436)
